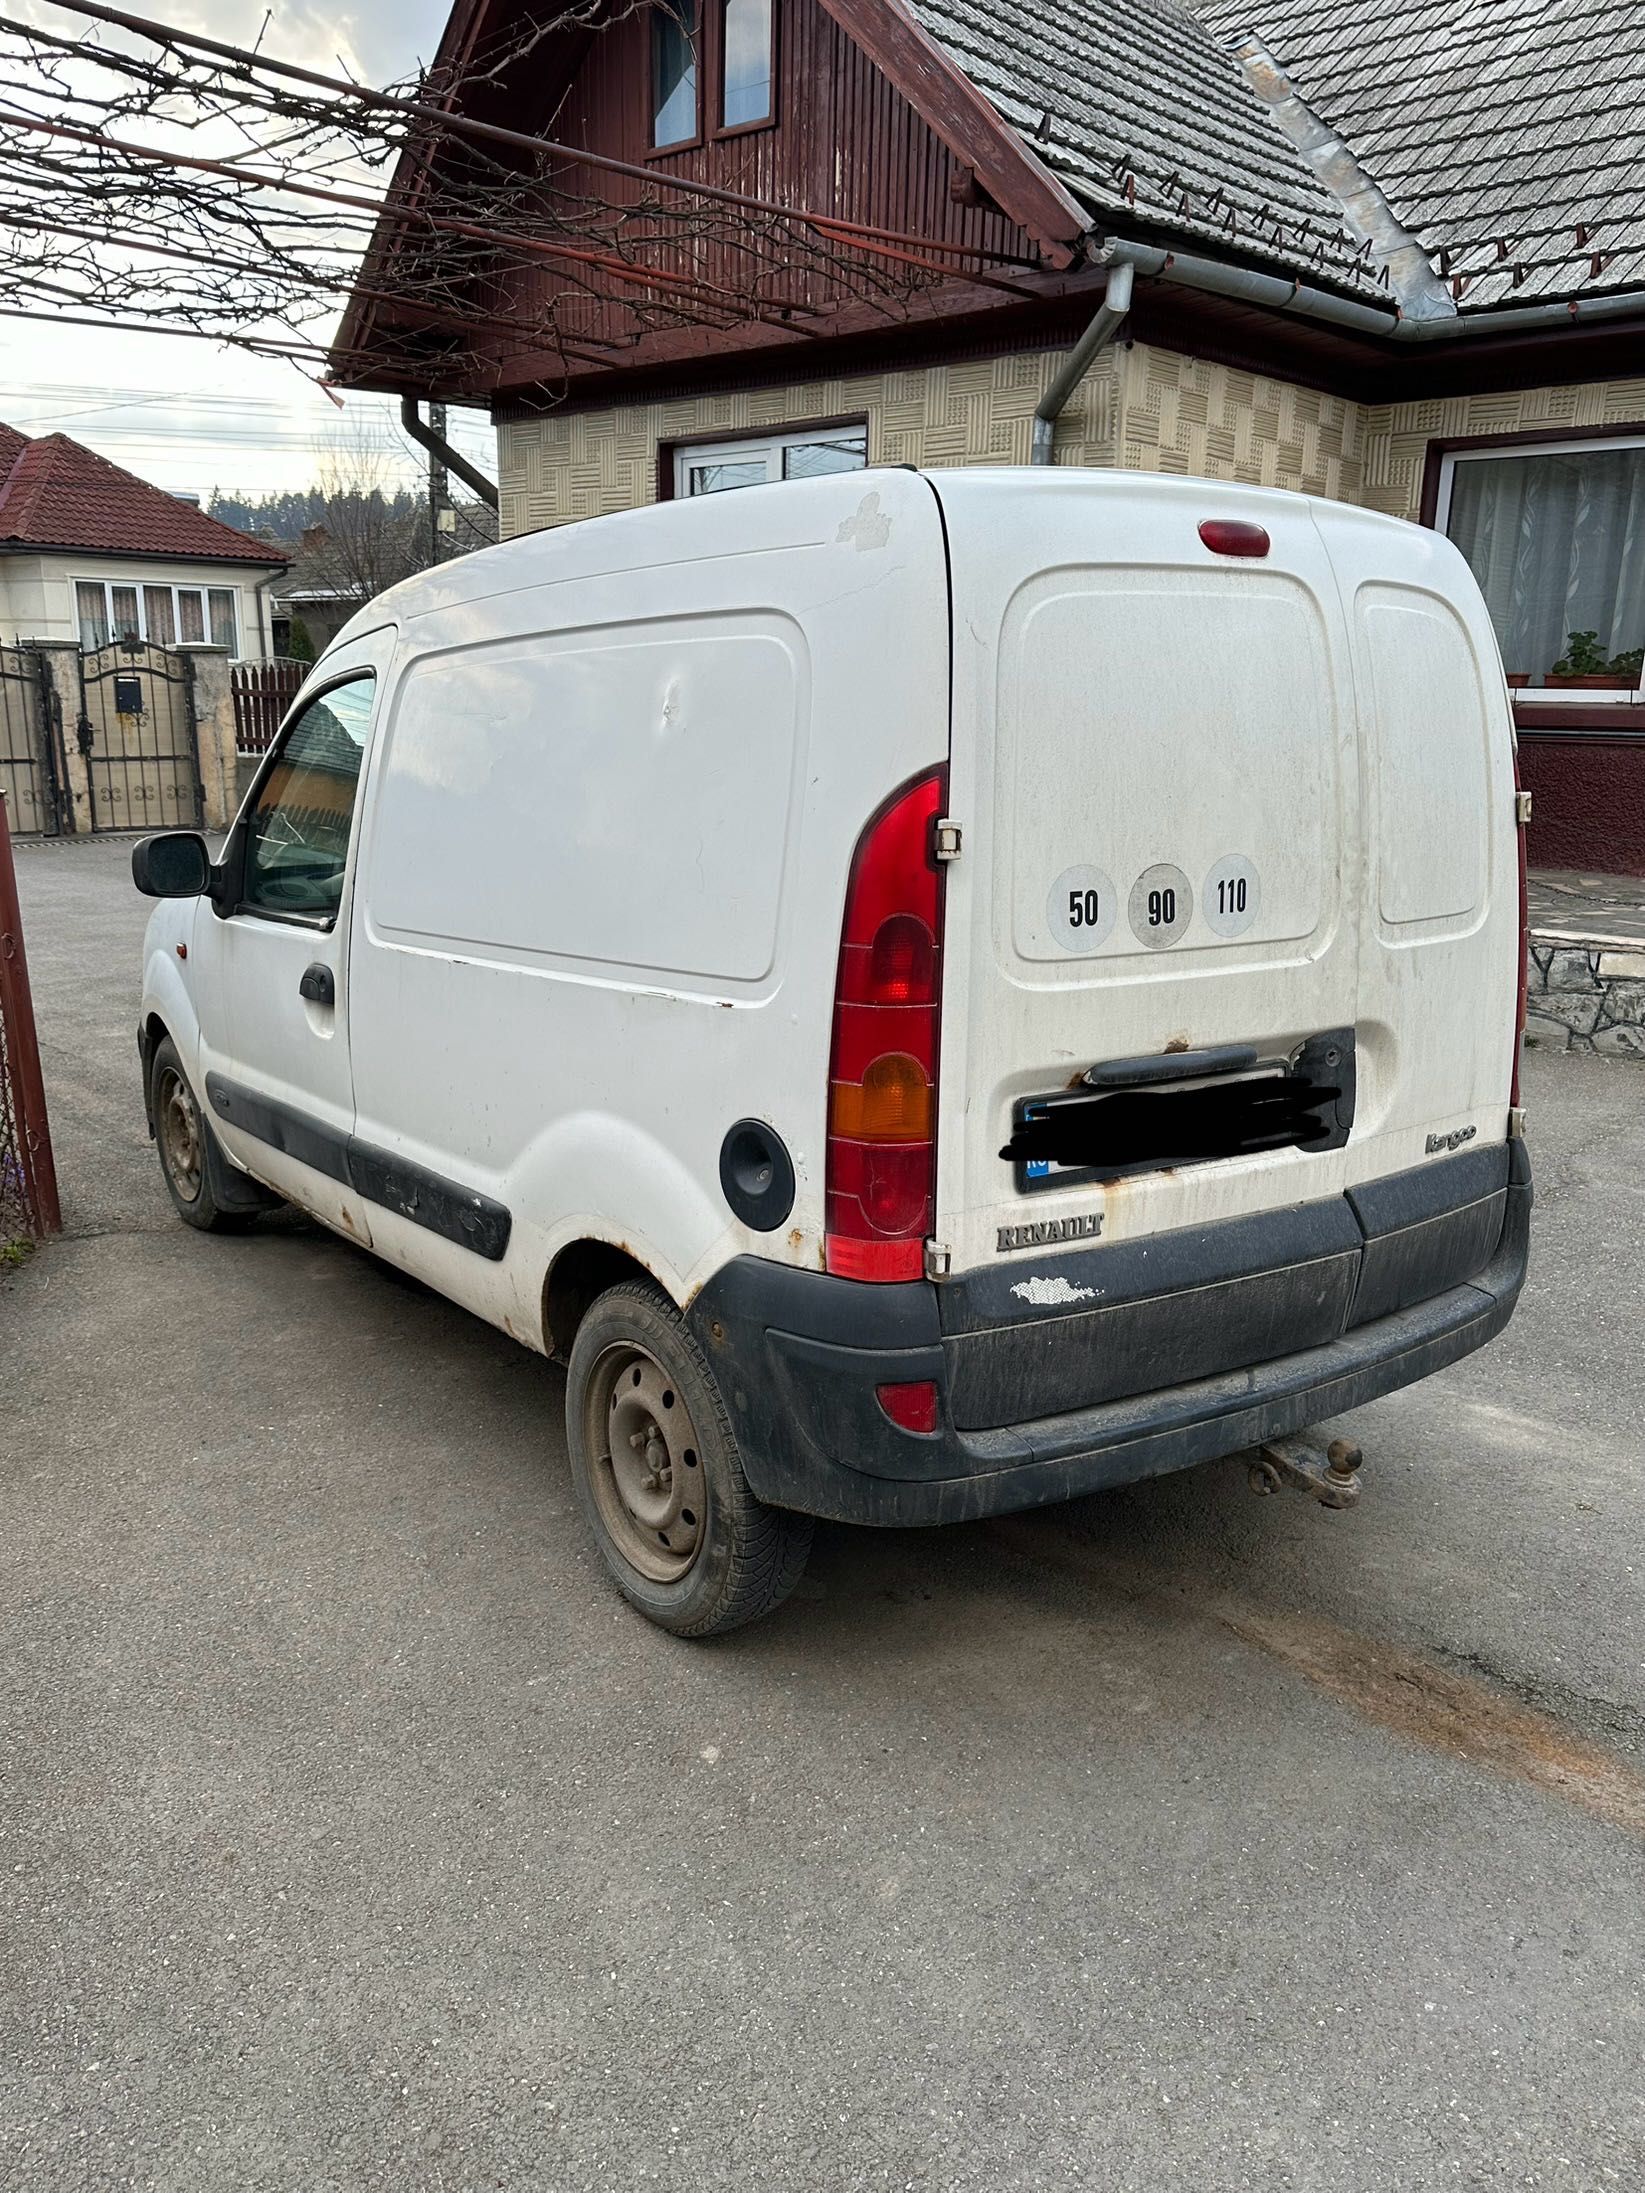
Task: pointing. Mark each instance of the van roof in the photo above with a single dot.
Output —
(785, 514)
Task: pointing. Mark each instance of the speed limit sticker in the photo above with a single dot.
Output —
(1162, 905)
(1233, 893)
(1082, 909)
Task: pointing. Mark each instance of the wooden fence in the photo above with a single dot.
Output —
(262, 693)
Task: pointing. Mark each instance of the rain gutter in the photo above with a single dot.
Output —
(1284, 295)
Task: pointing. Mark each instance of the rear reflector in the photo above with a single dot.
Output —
(1234, 537)
(913, 1406)
(882, 1076)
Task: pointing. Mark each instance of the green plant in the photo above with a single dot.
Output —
(1583, 657)
(299, 642)
(1629, 664)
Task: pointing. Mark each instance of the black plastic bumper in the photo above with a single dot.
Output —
(1324, 1307)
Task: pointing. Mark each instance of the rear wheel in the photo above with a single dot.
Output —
(657, 1472)
(183, 1139)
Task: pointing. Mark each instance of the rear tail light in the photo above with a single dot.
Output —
(882, 1076)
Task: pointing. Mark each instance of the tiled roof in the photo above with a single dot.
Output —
(1507, 134)
(1138, 106)
(55, 493)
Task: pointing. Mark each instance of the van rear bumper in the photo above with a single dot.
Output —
(799, 1355)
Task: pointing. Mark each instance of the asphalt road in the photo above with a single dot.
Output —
(354, 1835)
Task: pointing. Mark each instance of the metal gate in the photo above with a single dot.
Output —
(30, 775)
(136, 731)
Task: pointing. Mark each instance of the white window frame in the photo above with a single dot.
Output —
(755, 447)
(205, 589)
(1511, 447)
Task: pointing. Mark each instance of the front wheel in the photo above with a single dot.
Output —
(657, 1472)
(182, 1138)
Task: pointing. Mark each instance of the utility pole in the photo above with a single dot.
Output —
(439, 488)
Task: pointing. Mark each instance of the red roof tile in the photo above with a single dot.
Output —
(55, 493)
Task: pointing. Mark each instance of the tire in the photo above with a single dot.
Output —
(655, 1463)
(190, 1163)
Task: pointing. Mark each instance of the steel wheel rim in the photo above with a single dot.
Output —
(177, 1121)
(646, 1463)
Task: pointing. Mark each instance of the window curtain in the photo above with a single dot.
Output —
(1557, 544)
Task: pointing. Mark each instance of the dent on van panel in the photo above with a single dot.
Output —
(1431, 740)
(593, 797)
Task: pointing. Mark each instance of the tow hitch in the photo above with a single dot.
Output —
(1332, 1478)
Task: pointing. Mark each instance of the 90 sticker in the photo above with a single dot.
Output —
(1161, 907)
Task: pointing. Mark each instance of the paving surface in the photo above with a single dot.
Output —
(1590, 909)
(353, 1835)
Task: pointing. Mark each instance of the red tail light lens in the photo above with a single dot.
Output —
(882, 1077)
(1234, 537)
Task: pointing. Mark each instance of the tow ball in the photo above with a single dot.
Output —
(1332, 1478)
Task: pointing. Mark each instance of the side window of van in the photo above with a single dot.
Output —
(297, 831)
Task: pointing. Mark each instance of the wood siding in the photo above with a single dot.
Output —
(844, 143)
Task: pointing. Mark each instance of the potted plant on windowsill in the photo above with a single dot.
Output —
(1586, 667)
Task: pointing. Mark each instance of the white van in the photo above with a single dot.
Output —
(931, 993)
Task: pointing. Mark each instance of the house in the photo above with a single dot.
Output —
(90, 553)
(1382, 250)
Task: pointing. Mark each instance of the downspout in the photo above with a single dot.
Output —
(453, 459)
(1116, 303)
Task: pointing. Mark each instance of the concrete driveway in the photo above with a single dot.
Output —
(353, 1834)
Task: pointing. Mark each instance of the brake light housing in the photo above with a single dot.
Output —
(880, 1169)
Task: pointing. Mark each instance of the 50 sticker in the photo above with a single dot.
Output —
(1082, 908)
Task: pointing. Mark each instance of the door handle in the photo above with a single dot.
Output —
(318, 985)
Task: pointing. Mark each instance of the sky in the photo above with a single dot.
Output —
(185, 414)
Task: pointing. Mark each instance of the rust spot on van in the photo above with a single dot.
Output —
(1178, 1043)
(796, 1237)
(346, 1219)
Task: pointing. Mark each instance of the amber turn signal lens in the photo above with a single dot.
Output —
(892, 1103)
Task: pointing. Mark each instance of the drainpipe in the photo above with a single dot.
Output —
(440, 449)
(1116, 303)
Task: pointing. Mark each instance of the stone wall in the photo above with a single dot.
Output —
(1587, 998)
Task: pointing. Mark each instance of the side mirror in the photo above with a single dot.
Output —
(174, 865)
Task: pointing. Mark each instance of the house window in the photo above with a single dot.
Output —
(745, 62)
(673, 72)
(1555, 535)
(166, 616)
(709, 468)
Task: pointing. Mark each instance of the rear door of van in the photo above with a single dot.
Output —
(1237, 829)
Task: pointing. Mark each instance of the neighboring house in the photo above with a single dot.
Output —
(1390, 251)
(91, 553)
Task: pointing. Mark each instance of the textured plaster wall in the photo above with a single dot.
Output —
(1142, 408)
(1397, 435)
(555, 468)
(1149, 410)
